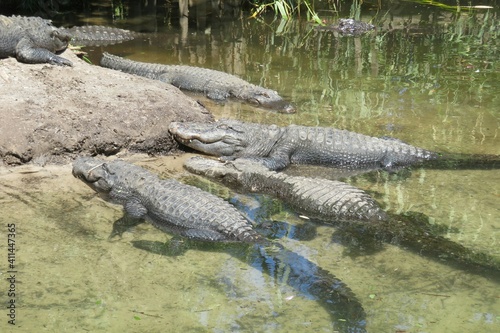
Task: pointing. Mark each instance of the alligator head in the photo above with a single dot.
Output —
(94, 173)
(265, 98)
(226, 138)
(43, 34)
(60, 39)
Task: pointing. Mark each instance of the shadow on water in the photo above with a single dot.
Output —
(410, 230)
(283, 266)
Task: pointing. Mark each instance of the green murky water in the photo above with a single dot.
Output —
(430, 78)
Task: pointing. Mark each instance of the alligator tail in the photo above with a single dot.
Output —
(412, 231)
(151, 71)
(426, 242)
(313, 282)
(459, 161)
(287, 267)
(95, 35)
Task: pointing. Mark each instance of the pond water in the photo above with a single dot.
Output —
(426, 76)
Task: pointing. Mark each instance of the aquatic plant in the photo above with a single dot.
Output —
(287, 9)
(454, 8)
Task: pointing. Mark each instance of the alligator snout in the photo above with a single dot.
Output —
(287, 108)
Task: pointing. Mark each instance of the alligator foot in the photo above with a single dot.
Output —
(122, 225)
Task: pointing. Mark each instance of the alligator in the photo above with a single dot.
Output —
(348, 27)
(215, 85)
(193, 214)
(168, 204)
(277, 147)
(335, 203)
(35, 40)
(316, 198)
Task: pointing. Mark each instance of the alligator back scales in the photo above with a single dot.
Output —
(323, 199)
(168, 204)
(344, 148)
(96, 35)
(346, 203)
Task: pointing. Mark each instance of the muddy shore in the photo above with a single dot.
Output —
(50, 114)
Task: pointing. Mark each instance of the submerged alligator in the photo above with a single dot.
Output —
(35, 40)
(335, 202)
(277, 147)
(214, 84)
(348, 27)
(187, 211)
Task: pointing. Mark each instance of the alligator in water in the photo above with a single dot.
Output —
(187, 211)
(35, 40)
(315, 198)
(335, 202)
(277, 147)
(215, 85)
(348, 27)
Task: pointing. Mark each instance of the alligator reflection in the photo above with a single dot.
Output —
(287, 267)
(410, 230)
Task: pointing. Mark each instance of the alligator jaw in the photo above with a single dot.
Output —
(274, 102)
(283, 107)
(83, 167)
(216, 148)
(279, 106)
(92, 172)
(208, 138)
(202, 132)
(265, 98)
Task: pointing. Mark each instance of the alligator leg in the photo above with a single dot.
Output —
(26, 53)
(123, 224)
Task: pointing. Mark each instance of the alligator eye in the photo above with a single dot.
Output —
(234, 128)
(55, 34)
(93, 168)
(254, 101)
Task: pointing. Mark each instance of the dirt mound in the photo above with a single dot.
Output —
(51, 113)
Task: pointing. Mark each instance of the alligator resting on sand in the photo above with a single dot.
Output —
(197, 215)
(35, 40)
(276, 147)
(214, 84)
